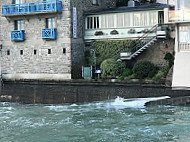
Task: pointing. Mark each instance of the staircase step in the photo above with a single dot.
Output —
(161, 36)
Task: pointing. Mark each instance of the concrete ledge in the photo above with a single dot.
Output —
(178, 101)
(43, 77)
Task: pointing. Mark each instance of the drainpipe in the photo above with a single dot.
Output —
(1, 81)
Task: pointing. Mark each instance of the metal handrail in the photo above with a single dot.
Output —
(141, 40)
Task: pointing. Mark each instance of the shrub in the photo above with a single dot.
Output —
(144, 69)
(121, 3)
(165, 71)
(121, 78)
(127, 72)
(170, 58)
(133, 76)
(111, 68)
(158, 76)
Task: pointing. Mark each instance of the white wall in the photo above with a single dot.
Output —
(171, 2)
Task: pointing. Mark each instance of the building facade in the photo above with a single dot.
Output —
(180, 17)
(43, 40)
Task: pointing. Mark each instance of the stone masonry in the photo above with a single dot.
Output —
(44, 66)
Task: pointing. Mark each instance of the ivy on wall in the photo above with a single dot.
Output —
(108, 49)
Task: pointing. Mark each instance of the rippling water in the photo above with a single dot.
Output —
(117, 120)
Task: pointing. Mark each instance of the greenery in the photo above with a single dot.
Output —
(126, 72)
(170, 58)
(107, 49)
(111, 68)
(121, 3)
(125, 2)
(121, 78)
(158, 76)
(133, 76)
(114, 32)
(97, 33)
(144, 69)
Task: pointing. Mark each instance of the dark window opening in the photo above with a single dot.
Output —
(64, 50)
(21, 52)
(97, 22)
(49, 51)
(90, 22)
(8, 52)
(94, 22)
(35, 51)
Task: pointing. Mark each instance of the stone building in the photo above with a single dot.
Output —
(43, 40)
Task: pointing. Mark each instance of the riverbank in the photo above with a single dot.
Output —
(76, 91)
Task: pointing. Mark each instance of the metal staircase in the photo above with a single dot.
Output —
(143, 42)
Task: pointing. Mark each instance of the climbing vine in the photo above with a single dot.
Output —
(108, 49)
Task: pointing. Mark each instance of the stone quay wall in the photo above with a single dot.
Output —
(80, 92)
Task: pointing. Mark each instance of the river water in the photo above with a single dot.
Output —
(118, 120)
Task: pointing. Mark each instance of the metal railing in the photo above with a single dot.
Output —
(143, 40)
(179, 15)
(17, 35)
(35, 7)
(49, 33)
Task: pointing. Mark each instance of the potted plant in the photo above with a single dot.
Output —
(132, 31)
(114, 32)
(98, 33)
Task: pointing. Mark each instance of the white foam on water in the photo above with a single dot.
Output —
(134, 103)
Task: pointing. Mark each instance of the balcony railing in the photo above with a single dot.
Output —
(31, 8)
(179, 15)
(17, 35)
(49, 33)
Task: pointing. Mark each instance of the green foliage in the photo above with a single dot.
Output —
(121, 78)
(109, 49)
(121, 3)
(158, 76)
(165, 71)
(144, 69)
(170, 58)
(126, 72)
(133, 76)
(111, 68)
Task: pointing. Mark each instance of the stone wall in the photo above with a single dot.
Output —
(156, 52)
(54, 66)
(80, 92)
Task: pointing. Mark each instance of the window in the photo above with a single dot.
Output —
(21, 52)
(35, 51)
(18, 25)
(64, 50)
(95, 2)
(93, 22)
(144, 19)
(50, 22)
(153, 18)
(137, 19)
(49, 51)
(16, 1)
(184, 34)
(8, 52)
(120, 20)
